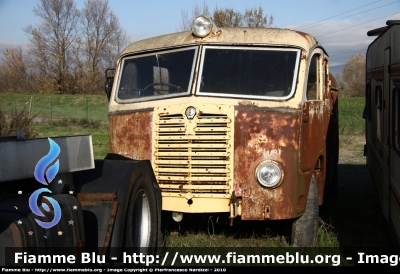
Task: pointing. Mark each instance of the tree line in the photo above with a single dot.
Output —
(68, 51)
(228, 17)
(351, 82)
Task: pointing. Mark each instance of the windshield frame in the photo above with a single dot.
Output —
(255, 97)
(158, 97)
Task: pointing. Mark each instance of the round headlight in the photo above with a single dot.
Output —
(202, 26)
(269, 174)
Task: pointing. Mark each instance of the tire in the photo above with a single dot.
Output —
(335, 181)
(334, 184)
(142, 231)
(305, 228)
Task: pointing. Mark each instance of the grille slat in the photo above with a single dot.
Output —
(191, 162)
(194, 187)
(194, 153)
(211, 138)
(195, 179)
(193, 157)
(196, 145)
(192, 170)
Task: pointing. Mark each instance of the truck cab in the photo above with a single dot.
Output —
(234, 120)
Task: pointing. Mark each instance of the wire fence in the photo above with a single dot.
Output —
(48, 107)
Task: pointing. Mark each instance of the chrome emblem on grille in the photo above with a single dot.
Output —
(190, 112)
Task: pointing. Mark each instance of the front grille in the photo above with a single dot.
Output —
(193, 155)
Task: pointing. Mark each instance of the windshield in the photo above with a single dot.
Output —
(152, 76)
(264, 73)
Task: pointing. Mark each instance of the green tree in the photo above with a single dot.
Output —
(353, 76)
(16, 75)
(255, 18)
(187, 18)
(102, 40)
(53, 41)
(227, 17)
(70, 49)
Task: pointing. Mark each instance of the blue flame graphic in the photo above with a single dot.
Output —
(45, 161)
(50, 174)
(35, 209)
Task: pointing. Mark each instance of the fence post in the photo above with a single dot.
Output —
(87, 109)
(51, 109)
(30, 105)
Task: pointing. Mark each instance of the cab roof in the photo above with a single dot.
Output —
(227, 36)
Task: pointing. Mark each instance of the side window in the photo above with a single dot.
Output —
(396, 106)
(313, 92)
(379, 107)
(367, 108)
(325, 76)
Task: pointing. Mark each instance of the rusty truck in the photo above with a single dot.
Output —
(382, 118)
(237, 121)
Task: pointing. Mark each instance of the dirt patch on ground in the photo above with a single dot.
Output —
(351, 150)
(354, 212)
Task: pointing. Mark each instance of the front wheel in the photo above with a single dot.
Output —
(305, 228)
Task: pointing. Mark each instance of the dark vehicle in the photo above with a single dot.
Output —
(65, 201)
(382, 117)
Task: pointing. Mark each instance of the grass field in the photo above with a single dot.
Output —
(351, 123)
(83, 114)
(95, 107)
(69, 127)
(350, 115)
(351, 129)
(64, 115)
(56, 107)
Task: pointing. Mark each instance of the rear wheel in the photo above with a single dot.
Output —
(142, 224)
(305, 228)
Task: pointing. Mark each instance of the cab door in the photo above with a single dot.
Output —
(394, 148)
(385, 134)
(313, 125)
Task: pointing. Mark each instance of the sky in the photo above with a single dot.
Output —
(341, 26)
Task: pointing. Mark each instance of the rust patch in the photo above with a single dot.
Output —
(320, 142)
(111, 223)
(16, 233)
(314, 126)
(333, 81)
(247, 103)
(238, 190)
(130, 135)
(267, 210)
(210, 36)
(263, 135)
(305, 35)
(256, 200)
(95, 198)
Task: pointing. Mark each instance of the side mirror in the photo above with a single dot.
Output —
(110, 73)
